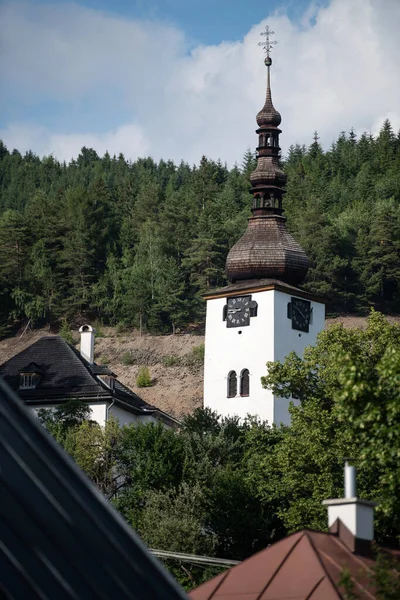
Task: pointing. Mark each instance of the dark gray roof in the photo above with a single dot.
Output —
(61, 538)
(65, 374)
(260, 285)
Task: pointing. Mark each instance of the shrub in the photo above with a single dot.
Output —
(143, 379)
(127, 359)
(171, 360)
(66, 333)
(99, 331)
(120, 328)
(195, 358)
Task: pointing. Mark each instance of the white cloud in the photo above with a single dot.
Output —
(128, 139)
(335, 70)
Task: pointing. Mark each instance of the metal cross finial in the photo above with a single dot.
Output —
(268, 43)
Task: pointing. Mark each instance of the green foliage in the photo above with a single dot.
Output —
(350, 406)
(195, 358)
(171, 360)
(139, 243)
(127, 359)
(143, 378)
(227, 488)
(386, 577)
(66, 333)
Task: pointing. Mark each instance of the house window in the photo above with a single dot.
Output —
(245, 382)
(232, 384)
(27, 381)
(108, 381)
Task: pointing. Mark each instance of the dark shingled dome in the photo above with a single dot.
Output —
(268, 115)
(267, 250)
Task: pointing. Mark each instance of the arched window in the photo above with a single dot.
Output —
(244, 383)
(232, 384)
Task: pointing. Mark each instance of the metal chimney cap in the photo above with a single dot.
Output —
(85, 328)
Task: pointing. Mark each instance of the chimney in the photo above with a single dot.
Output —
(87, 342)
(355, 514)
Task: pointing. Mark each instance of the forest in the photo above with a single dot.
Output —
(138, 243)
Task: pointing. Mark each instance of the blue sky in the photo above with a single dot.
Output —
(204, 21)
(177, 79)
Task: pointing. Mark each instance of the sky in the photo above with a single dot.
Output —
(178, 79)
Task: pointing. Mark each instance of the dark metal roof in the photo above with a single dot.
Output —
(66, 374)
(306, 565)
(60, 538)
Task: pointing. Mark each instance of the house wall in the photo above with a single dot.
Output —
(269, 337)
(98, 411)
(126, 418)
(288, 340)
(99, 414)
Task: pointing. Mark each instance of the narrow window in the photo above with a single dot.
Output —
(244, 383)
(27, 381)
(224, 312)
(232, 384)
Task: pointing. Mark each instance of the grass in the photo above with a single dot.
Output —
(171, 360)
(195, 358)
(127, 359)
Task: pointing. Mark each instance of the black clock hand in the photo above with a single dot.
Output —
(301, 312)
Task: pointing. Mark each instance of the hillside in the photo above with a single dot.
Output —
(141, 242)
(178, 388)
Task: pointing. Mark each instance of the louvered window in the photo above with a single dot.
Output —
(27, 381)
(245, 382)
(232, 384)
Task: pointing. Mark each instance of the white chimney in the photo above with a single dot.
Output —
(87, 342)
(356, 514)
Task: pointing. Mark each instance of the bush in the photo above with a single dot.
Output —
(120, 328)
(195, 358)
(171, 360)
(143, 379)
(99, 331)
(127, 359)
(66, 333)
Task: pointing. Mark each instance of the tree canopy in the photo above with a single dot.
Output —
(226, 488)
(139, 243)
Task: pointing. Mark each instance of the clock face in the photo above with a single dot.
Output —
(301, 313)
(238, 311)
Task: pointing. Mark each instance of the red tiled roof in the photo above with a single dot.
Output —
(306, 565)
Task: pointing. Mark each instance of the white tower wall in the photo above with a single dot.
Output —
(269, 337)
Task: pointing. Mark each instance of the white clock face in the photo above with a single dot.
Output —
(238, 311)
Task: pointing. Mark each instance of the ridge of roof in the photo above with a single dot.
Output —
(289, 554)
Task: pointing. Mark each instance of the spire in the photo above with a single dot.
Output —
(267, 250)
(268, 115)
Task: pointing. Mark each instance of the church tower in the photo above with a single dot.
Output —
(262, 315)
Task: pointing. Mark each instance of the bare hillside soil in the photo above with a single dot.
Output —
(176, 372)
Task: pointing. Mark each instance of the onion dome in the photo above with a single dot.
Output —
(268, 115)
(267, 250)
